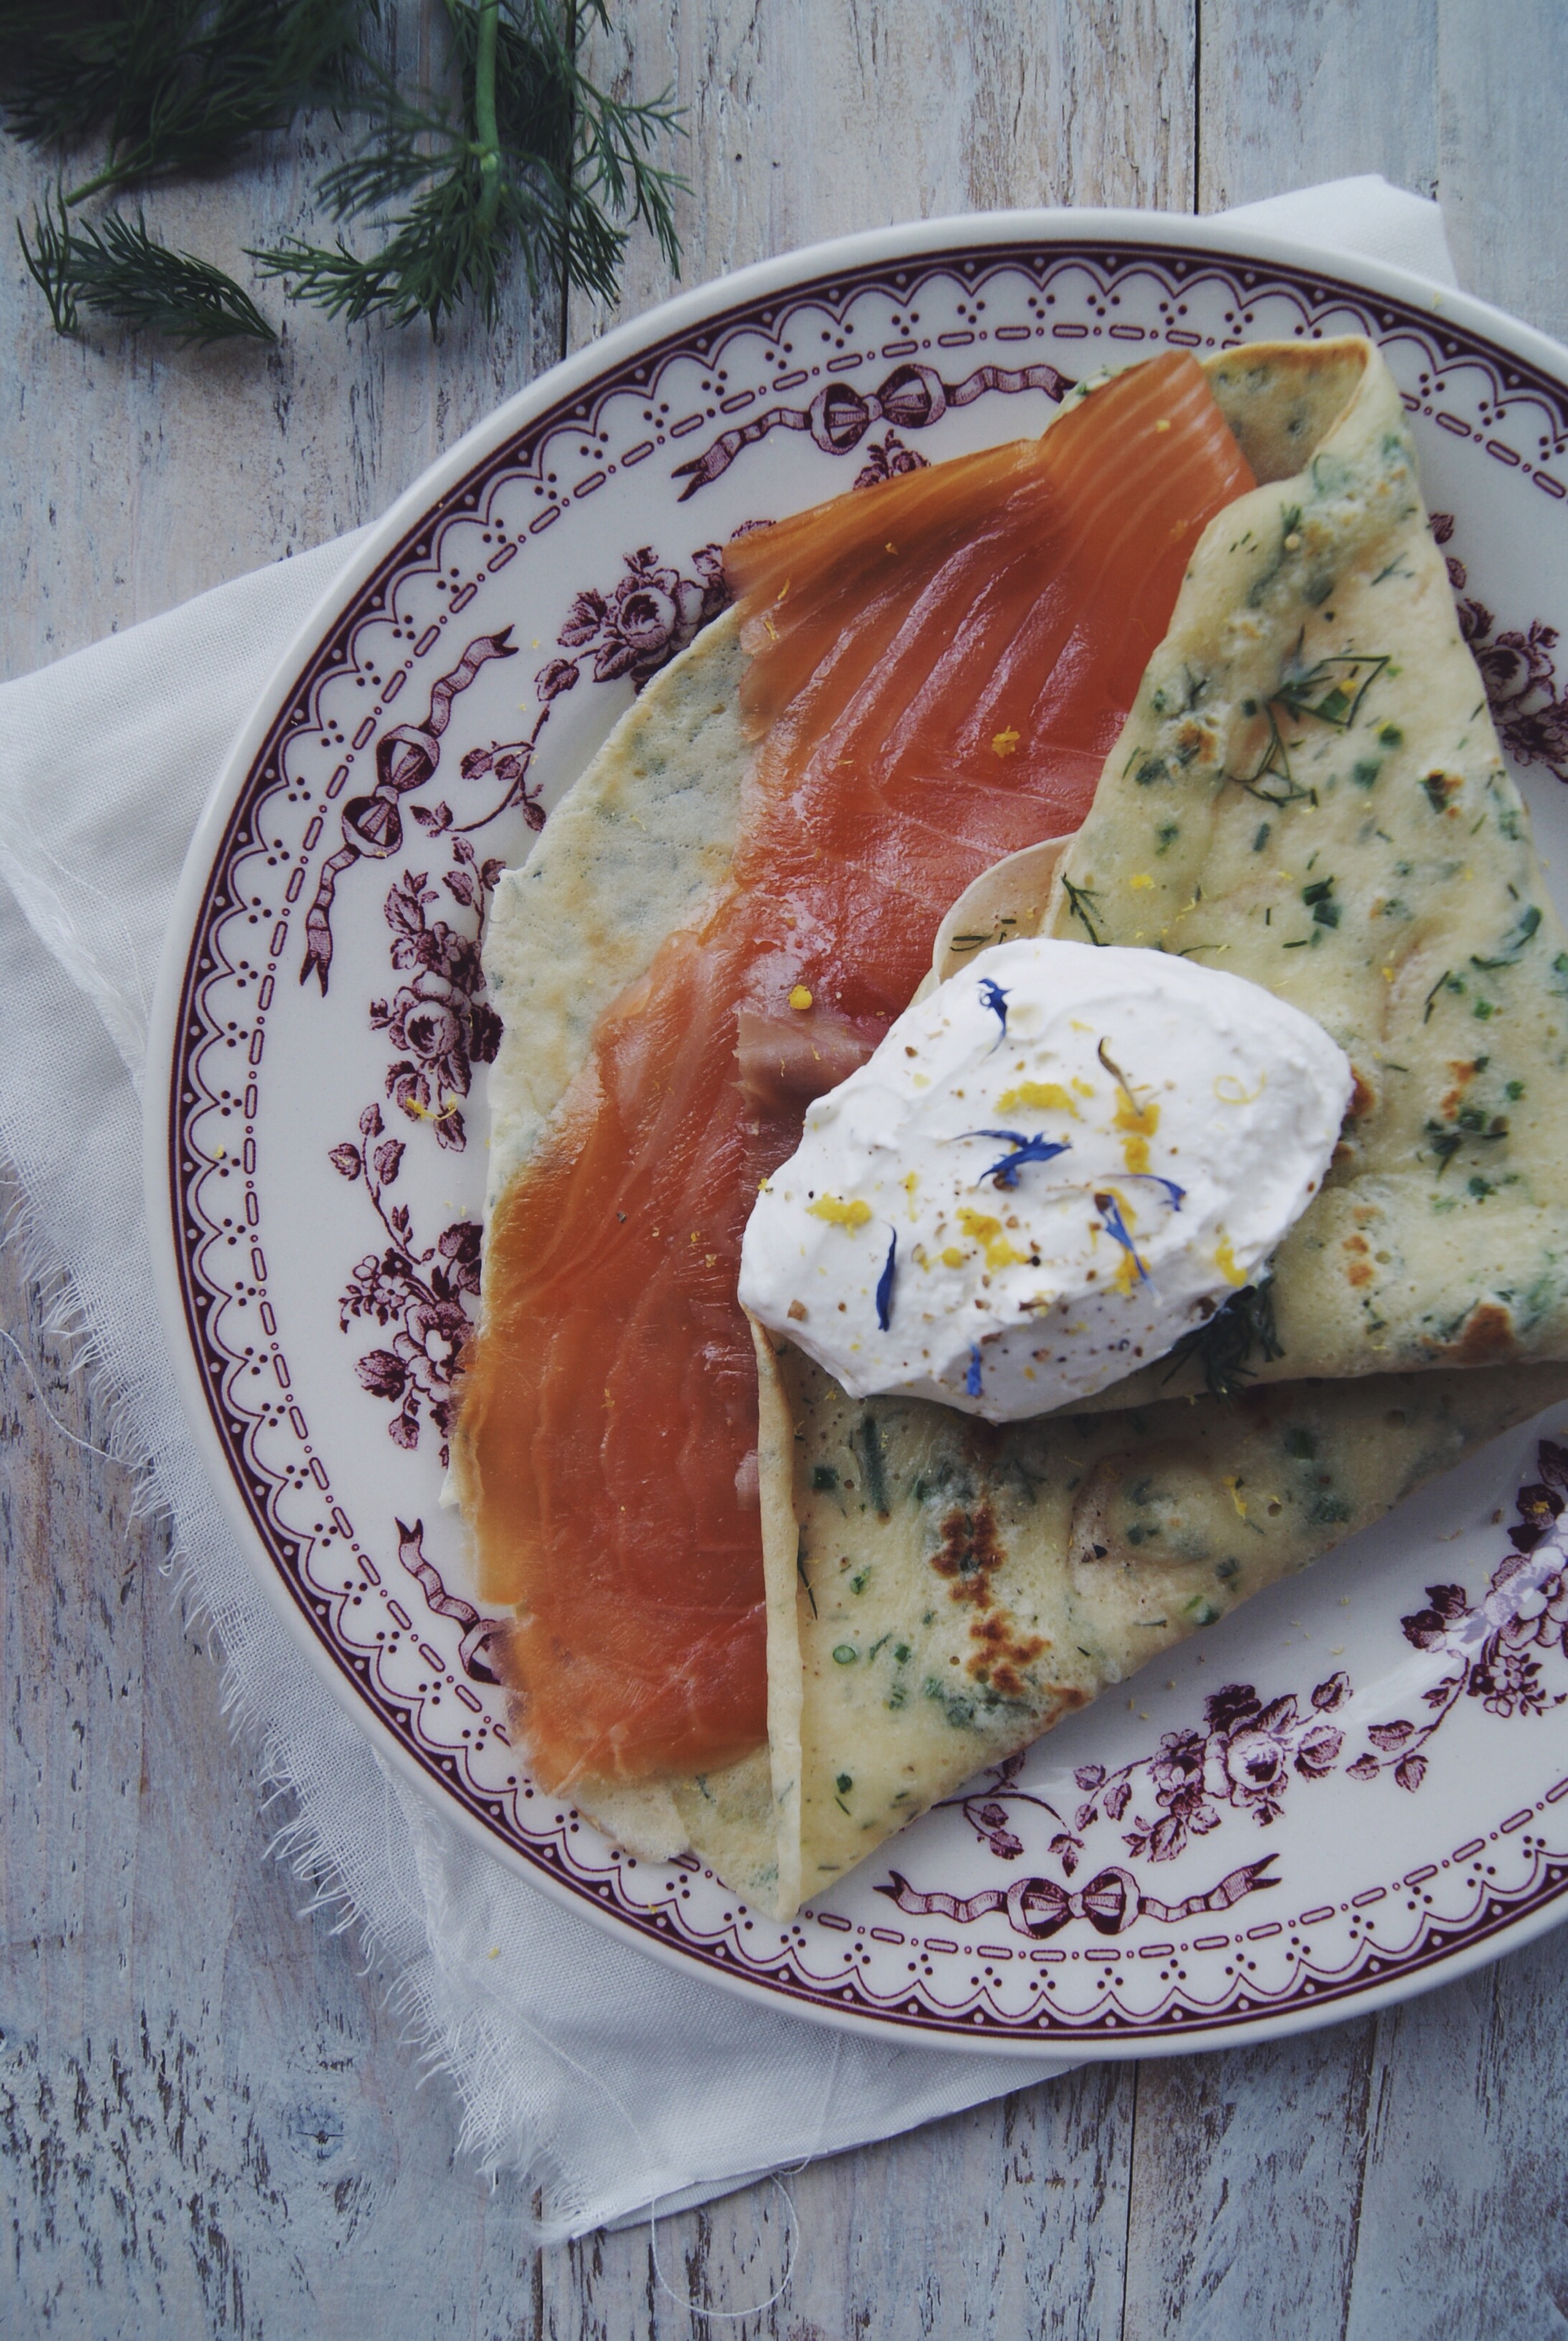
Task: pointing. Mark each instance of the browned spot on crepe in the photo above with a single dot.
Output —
(970, 1554)
(1487, 1339)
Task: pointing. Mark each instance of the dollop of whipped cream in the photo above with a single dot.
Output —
(1052, 1168)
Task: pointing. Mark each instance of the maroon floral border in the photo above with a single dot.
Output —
(1515, 383)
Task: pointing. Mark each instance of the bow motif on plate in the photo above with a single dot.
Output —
(479, 1632)
(1039, 1907)
(912, 398)
(406, 758)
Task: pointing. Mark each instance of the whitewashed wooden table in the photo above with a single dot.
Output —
(209, 2123)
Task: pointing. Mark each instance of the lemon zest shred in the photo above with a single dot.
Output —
(857, 1214)
(1046, 1097)
(1225, 1261)
(987, 1232)
(1143, 1121)
(1138, 1124)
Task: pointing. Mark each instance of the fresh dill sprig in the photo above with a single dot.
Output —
(1223, 1346)
(171, 85)
(115, 267)
(1084, 905)
(533, 158)
(528, 157)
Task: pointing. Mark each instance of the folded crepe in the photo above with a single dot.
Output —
(1309, 793)
(962, 1589)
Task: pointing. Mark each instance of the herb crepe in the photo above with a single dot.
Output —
(962, 1589)
(1310, 794)
(939, 1593)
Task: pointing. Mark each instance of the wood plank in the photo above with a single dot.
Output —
(1246, 2172)
(1502, 169)
(211, 2123)
(133, 476)
(808, 119)
(1453, 101)
(1288, 95)
(1461, 2225)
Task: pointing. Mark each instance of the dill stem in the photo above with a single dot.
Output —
(106, 178)
(485, 122)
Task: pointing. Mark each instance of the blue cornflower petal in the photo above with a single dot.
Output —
(1176, 1195)
(885, 1286)
(992, 996)
(1117, 1226)
(1038, 1149)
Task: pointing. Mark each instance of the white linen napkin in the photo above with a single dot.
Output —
(609, 2079)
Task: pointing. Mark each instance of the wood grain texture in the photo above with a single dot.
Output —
(1005, 2221)
(1456, 101)
(1500, 167)
(209, 2124)
(209, 2121)
(1322, 89)
(814, 118)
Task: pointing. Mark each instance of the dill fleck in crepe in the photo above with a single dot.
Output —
(1308, 793)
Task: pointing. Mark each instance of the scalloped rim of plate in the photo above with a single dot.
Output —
(793, 271)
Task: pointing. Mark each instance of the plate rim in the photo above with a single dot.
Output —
(795, 272)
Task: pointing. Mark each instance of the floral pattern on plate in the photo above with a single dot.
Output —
(326, 1033)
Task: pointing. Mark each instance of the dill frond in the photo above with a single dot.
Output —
(529, 159)
(171, 85)
(535, 160)
(1224, 1346)
(116, 268)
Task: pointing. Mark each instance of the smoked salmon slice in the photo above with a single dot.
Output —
(939, 666)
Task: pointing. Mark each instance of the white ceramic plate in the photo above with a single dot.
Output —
(1356, 1786)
